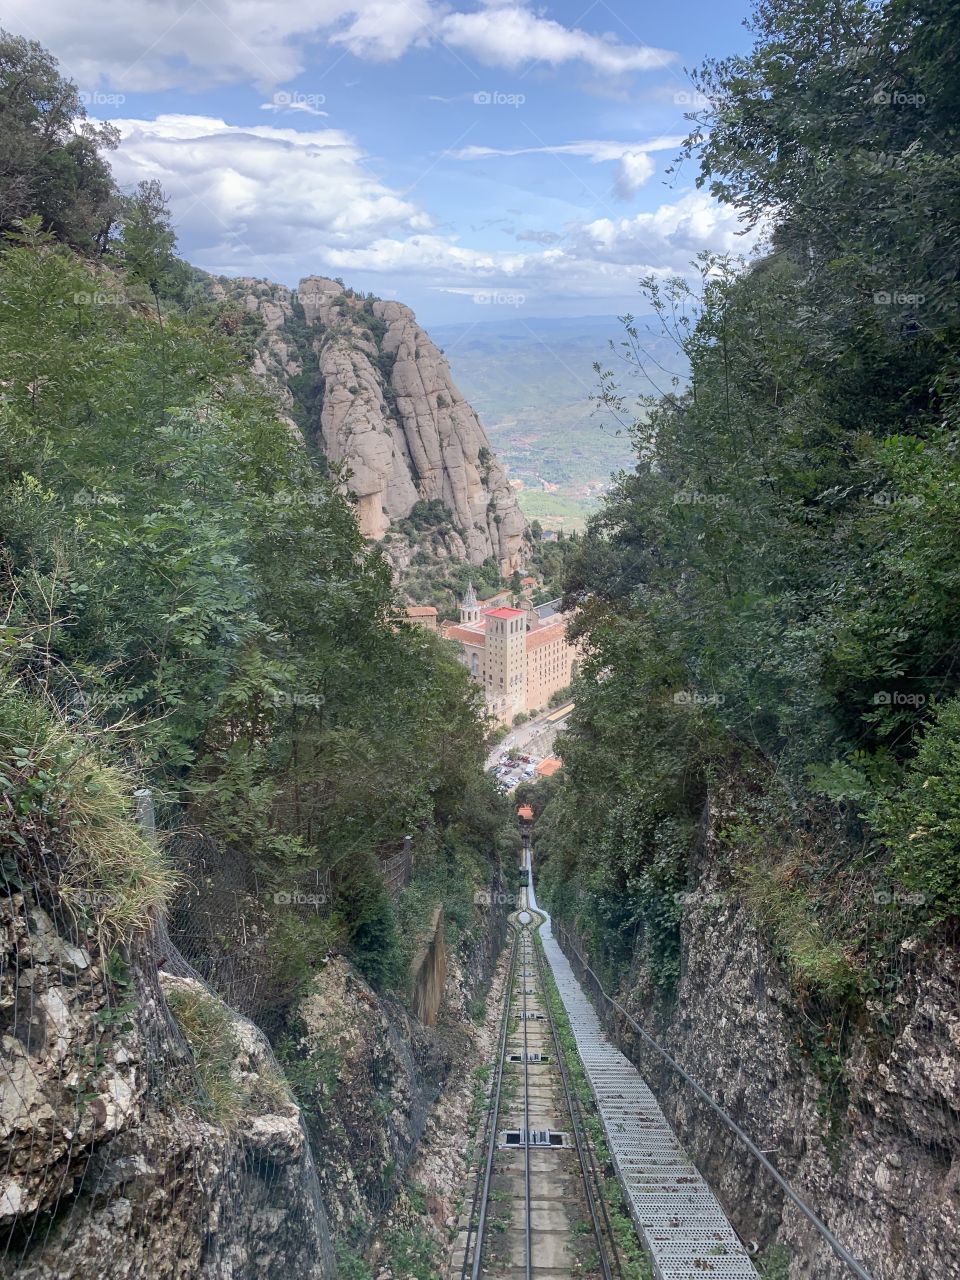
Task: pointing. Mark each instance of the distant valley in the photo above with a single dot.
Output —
(531, 382)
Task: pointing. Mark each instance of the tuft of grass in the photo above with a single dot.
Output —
(785, 910)
(774, 1263)
(56, 788)
(208, 1029)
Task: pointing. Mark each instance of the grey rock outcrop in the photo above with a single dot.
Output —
(385, 410)
(112, 1165)
(886, 1181)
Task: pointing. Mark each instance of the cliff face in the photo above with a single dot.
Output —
(119, 1160)
(374, 1072)
(884, 1176)
(378, 397)
(886, 1183)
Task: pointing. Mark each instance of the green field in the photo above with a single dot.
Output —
(531, 382)
(554, 511)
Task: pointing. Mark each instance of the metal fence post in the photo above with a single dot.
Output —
(146, 817)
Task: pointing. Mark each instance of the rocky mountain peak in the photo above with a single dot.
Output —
(368, 385)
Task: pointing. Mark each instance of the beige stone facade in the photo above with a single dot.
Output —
(520, 656)
(422, 616)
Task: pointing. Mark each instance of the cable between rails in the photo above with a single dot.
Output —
(493, 1113)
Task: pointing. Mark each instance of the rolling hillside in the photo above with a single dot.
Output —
(531, 382)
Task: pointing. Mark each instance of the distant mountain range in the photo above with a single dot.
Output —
(531, 381)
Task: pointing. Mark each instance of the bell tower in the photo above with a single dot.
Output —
(469, 608)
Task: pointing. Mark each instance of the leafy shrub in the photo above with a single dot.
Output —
(364, 906)
(920, 820)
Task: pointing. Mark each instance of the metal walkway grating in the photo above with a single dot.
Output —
(679, 1217)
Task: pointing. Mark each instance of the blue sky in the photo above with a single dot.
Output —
(467, 158)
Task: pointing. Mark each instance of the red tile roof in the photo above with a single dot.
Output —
(542, 635)
(464, 634)
(505, 613)
(421, 611)
(547, 768)
(525, 813)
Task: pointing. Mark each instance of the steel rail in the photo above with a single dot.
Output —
(581, 1141)
(493, 1115)
(528, 1207)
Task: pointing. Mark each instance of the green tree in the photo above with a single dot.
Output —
(51, 160)
(148, 239)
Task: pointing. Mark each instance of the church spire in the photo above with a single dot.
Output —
(469, 608)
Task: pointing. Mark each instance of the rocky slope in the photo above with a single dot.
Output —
(128, 1151)
(147, 1129)
(370, 1073)
(364, 382)
(884, 1174)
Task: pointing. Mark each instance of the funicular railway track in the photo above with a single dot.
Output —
(537, 1209)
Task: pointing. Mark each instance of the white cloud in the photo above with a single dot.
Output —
(381, 30)
(509, 35)
(668, 236)
(592, 260)
(161, 44)
(635, 166)
(282, 202)
(287, 102)
(255, 198)
(597, 150)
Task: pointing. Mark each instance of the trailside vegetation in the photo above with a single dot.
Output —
(183, 588)
(769, 599)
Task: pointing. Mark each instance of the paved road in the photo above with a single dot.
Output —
(517, 738)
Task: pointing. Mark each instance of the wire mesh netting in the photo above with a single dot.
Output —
(145, 1127)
